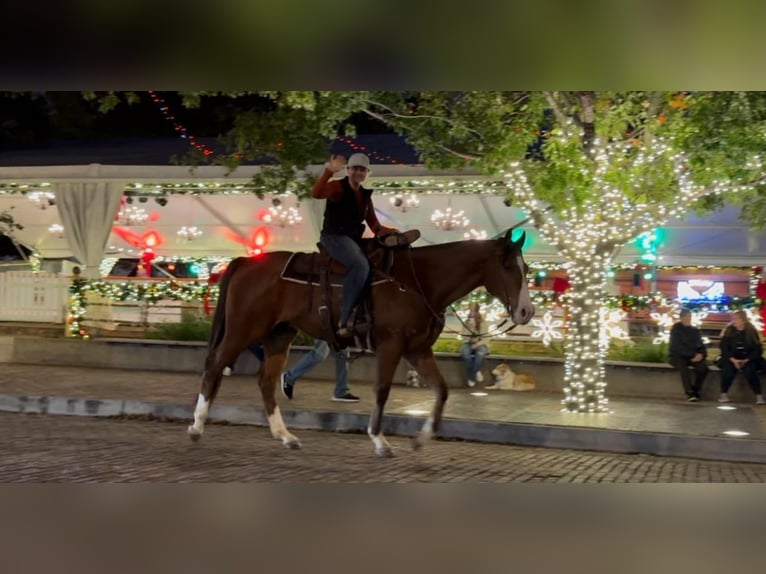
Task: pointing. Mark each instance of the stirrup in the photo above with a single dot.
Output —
(400, 239)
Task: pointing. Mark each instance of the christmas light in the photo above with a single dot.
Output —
(404, 202)
(475, 234)
(56, 230)
(131, 215)
(280, 215)
(189, 233)
(448, 220)
(42, 199)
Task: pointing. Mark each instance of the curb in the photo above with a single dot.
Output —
(577, 438)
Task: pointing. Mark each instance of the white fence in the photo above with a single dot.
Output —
(33, 297)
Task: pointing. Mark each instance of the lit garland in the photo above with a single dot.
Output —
(78, 305)
(150, 292)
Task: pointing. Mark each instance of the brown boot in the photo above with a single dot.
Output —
(400, 239)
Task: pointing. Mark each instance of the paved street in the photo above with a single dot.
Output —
(41, 448)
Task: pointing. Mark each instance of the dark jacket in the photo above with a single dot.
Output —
(343, 217)
(745, 344)
(685, 342)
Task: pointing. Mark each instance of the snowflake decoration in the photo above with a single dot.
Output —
(664, 322)
(697, 318)
(548, 328)
(612, 322)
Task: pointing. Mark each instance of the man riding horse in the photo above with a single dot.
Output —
(349, 206)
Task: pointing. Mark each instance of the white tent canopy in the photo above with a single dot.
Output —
(229, 217)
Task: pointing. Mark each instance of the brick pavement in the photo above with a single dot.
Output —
(513, 418)
(44, 448)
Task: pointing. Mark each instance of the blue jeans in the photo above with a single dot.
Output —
(473, 358)
(348, 252)
(313, 358)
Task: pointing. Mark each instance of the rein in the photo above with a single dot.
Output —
(440, 316)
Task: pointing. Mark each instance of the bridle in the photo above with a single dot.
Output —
(440, 316)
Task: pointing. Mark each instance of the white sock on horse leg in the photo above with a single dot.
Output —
(200, 413)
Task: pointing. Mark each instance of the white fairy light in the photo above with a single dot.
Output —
(755, 319)
(589, 232)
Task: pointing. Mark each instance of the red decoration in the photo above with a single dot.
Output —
(760, 292)
(147, 256)
(560, 285)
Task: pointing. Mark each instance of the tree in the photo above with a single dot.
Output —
(593, 169)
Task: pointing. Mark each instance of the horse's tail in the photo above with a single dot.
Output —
(219, 319)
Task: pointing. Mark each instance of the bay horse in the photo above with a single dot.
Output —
(256, 304)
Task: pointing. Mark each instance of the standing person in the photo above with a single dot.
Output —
(348, 207)
(474, 350)
(319, 353)
(687, 354)
(741, 351)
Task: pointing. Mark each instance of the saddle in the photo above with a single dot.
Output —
(320, 269)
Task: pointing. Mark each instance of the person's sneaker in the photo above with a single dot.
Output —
(759, 400)
(287, 388)
(471, 383)
(347, 398)
(692, 399)
(343, 332)
(479, 377)
(724, 398)
(226, 371)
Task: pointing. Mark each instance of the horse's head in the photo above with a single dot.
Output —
(506, 278)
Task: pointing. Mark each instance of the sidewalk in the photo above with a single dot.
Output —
(660, 427)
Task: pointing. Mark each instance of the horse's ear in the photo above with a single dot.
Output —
(519, 243)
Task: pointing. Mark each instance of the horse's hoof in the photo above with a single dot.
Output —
(385, 452)
(293, 445)
(194, 434)
(416, 443)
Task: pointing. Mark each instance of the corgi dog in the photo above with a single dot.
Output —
(507, 380)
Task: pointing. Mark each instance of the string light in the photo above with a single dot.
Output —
(183, 133)
(590, 231)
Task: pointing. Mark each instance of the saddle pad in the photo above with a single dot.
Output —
(298, 269)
